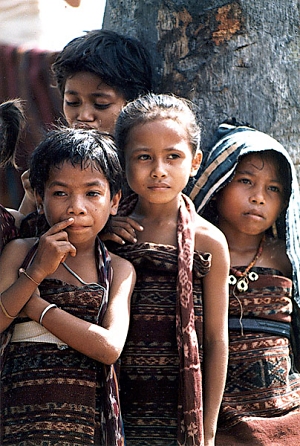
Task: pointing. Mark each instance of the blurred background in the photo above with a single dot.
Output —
(31, 34)
(47, 24)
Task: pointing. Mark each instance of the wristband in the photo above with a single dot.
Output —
(23, 271)
(45, 311)
(4, 310)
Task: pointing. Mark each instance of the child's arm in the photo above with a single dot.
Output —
(16, 290)
(215, 339)
(102, 343)
(28, 202)
(122, 229)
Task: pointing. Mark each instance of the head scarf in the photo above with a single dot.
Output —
(235, 141)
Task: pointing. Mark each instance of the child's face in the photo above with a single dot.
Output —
(89, 102)
(83, 194)
(254, 198)
(159, 160)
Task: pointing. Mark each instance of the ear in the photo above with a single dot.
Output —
(39, 203)
(196, 163)
(114, 203)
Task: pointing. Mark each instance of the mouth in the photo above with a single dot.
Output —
(255, 215)
(76, 228)
(159, 186)
(82, 126)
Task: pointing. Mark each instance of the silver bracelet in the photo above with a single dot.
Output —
(45, 311)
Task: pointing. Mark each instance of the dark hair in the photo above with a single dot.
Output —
(120, 61)
(156, 106)
(284, 172)
(281, 165)
(12, 121)
(79, 147)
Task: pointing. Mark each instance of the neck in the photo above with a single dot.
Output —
(156, 212)
(243, 247)
(240, 242)
(159, 222)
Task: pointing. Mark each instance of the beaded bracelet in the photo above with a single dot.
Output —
(23, 271)
(4, 310)
(45, 311)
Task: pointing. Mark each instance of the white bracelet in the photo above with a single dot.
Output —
(45, 311)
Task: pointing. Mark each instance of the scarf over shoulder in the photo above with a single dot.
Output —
(190, 404)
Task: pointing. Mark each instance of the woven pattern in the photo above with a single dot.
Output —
(53, 396)
(261, 381)
(150, 364)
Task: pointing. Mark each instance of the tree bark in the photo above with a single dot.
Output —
(231, 58)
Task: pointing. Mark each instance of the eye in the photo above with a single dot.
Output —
(72, 103)
(173, 156)
(144, 157)
(275, 189)
(102, 106)
(93, 193)
(244, 180)
(59, 193)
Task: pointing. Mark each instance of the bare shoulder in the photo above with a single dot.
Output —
(19, 247)
(208, 237)
(275, 256)
(120, 264)
(12, 258)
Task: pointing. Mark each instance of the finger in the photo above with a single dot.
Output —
(126, 223)
(134, 224)
(125, 235)
(111, 236)
(60, 226)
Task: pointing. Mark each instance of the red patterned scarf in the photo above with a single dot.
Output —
(190, 406)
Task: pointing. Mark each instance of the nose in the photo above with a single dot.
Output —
(158, 169)
(85, 113)
(257, 196)
(76, 206)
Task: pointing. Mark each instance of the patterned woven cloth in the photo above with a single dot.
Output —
(261, 403)
(9, 231)
(59, 396)
(161, 381)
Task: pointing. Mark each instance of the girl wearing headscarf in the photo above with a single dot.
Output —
(248, 188)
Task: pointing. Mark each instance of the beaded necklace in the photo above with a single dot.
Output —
(241, 279)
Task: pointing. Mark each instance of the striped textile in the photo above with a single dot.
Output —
(261, 403)
(161, 375)
(219, 167)
(51, 395)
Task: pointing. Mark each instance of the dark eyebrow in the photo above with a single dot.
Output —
(57, 183)
(62, 184)
(149, 149)
(95, 95)
(251, 174)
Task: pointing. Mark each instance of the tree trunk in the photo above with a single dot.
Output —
(231, 58)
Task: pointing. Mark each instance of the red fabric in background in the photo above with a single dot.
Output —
(26, 74)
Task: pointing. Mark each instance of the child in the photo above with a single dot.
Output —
(96, 74)
(179, 306)
(67, 301)
(249, 189)
(12, 121)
